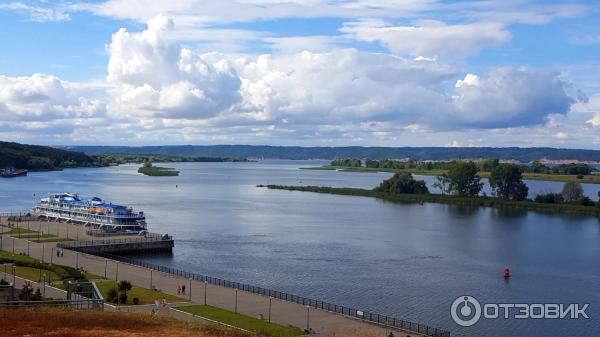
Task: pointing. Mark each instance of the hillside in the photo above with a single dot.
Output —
(297, 152)
(35, 157)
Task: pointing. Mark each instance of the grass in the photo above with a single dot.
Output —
(146, 296)
(242, 321)
(52, 239)
(158, 171)
(590, 179)
(32, 274)
(29, 268)
(92, 323)
(447, 199)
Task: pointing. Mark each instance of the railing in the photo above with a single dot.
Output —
(79, 303)
(81, 245)
(360, 314)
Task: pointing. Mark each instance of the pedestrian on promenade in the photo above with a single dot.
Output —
(58, 253)
(391, 334)
(178, 290)
(183, 289)
(62, 253)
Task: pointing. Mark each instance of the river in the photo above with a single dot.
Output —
(406, 260)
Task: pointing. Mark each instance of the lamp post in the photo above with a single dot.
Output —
(151, 280)
(236, 292)
(270, 299)
(43, 252)
(51, 255)
(307, 318)
(44, 286)
(205, 283)
(14, 275)
(27, 247)
(190, 290)
(105, 266)
(77, 260)
(117, 282)
(13, 246)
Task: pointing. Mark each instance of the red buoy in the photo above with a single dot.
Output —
(506, 272)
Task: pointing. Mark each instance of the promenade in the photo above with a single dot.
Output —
(321, 322)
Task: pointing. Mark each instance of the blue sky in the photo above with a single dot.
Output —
(405, 72)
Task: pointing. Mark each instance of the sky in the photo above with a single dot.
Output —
(301, 72)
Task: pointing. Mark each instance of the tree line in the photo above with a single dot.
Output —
(462, 179)
(484, 165)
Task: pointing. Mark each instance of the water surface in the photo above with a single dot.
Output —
(406, 260)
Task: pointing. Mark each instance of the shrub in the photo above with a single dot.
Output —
(549, 198)
(124, 285)
(122, 298)
(111, 296)
(136, 301)
(580, 176)
(3, 282)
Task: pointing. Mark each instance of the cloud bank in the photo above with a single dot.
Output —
(158, 91)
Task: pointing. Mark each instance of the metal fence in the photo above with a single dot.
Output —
(318, 304)
(78, 303)
(82, 245)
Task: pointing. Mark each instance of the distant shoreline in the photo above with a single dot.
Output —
(587, 179)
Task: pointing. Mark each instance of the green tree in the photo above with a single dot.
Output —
(463, 178)
(403, 183)
(506, 181)
(442, 183)
(488, 165)
(572, 192)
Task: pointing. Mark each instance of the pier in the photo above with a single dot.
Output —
(151, 243)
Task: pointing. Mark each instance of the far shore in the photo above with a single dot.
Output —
(586, 179)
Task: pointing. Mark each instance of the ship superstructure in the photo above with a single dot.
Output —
(93, 212)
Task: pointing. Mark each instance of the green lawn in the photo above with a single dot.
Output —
(242, 321)
(20, 230)
(32, 274)
(146, 296)
(52, 239)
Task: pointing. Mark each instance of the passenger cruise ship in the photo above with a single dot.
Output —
(94, 212)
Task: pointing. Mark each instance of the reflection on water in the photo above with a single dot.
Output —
(407, 260)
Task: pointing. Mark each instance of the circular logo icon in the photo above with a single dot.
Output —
(465, 310)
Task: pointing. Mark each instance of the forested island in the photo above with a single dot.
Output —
(157, 171)
(577, 172)
(461, 184)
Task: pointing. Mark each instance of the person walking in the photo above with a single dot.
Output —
(183, 289)
(178, 290)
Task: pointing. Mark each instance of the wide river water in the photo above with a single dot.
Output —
(406, 260)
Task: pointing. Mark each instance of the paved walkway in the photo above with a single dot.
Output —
(282, 312)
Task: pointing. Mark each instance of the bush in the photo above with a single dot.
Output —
(403, 183)
(586, 201)
(550, 198)
(3, 282)
(111, 296)
(580, 176)
(122, 298)
(124, 285)
(136, 301)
